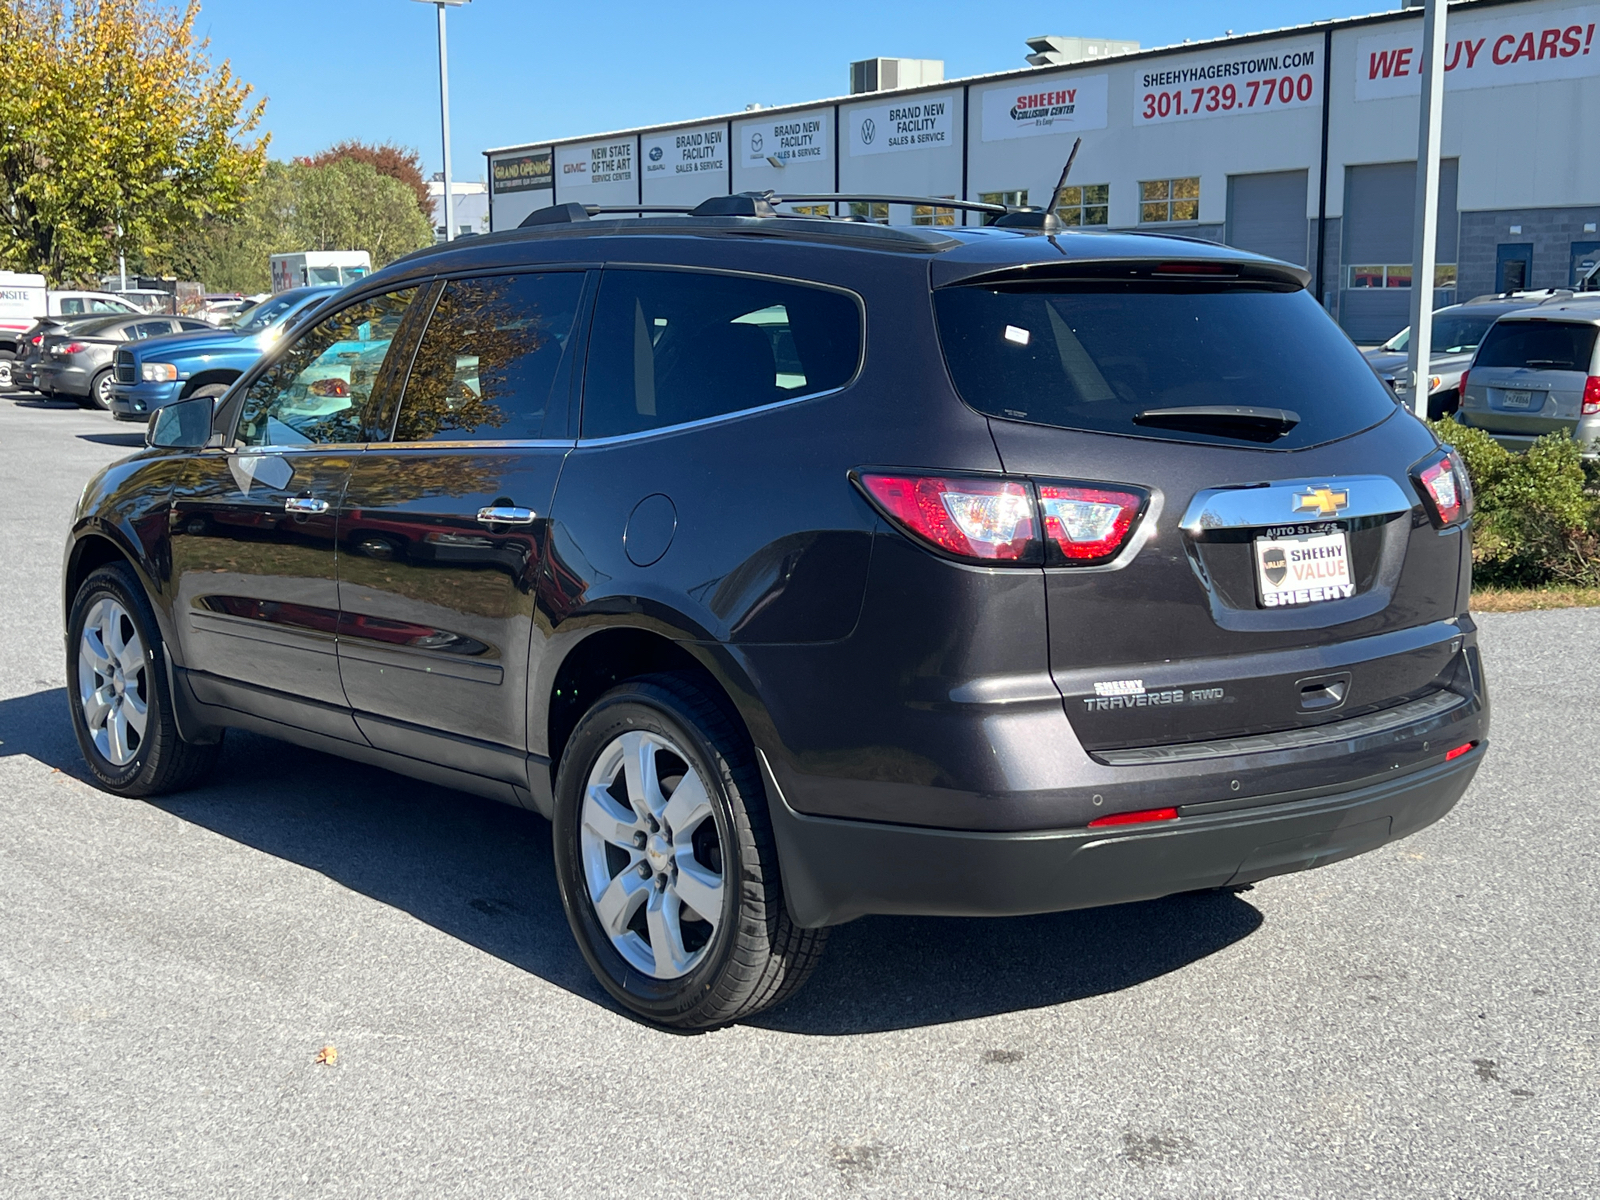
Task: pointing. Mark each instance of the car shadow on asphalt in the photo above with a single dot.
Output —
(131, 439)
(37, 401)
(482, 873)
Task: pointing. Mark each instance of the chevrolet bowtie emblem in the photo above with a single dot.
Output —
(1322, 500)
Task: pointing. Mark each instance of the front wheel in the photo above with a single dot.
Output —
(100, 391)
(666, 862)
(7, 365)
(117, 687)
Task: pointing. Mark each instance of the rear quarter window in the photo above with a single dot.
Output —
(671, 347)
(1094, 356)
(1541, 345)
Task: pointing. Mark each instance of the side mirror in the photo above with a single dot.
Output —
(184, 425)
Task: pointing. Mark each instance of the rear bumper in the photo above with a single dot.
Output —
(67, 380)
(837, 870)
(1586, 432)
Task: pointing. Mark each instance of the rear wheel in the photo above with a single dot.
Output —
(117, 688)
(666, 862)
(100, 391)
(7, 358)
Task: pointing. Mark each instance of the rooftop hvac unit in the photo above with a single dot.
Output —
(1050, 50)
(886, 74)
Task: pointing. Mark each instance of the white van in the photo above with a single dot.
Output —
(24, 299)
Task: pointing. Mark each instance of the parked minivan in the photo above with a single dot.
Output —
(1537, 371)
(801, 569)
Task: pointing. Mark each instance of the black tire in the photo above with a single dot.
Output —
(756, 957)
(211, 389)
(7, 380)
(162, 761)
(100, 391)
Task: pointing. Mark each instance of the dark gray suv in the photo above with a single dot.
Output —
(800, 569)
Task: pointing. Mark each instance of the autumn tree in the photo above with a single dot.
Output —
(397, 162)
(344, 205)
(113, 116)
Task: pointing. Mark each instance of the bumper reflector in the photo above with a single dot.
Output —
(1459, 751)
(1140, 817)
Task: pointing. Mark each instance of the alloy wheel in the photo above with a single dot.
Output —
(113, 681)
(652, 857)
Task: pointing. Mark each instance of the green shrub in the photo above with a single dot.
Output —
(1537, 519)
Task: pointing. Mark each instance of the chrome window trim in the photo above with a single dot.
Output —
(1248, 505)
(618, 438)
(468, 444)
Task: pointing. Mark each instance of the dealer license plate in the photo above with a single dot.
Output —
(1304, 570)
(1516, 399)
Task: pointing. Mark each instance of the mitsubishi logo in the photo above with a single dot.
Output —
(1324, 501)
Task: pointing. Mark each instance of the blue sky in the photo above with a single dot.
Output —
(522, 70)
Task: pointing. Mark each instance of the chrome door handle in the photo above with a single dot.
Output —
(303, 504)
(505, 516)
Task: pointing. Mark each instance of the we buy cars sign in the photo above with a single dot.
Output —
(1504, 47)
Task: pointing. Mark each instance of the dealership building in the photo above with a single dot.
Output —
(1299, 143)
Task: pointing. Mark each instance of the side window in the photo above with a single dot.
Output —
(675, 346)
(319, 389)
(488, 364)
(150, 329)
(72, 307)
(103, 306)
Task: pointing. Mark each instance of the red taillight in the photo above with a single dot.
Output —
(1086, 525)
(1591, 396)
(982, 519)
(1458, 751)
(72, 348)
(1136, 818)
(1445, 487)
(1461, 388)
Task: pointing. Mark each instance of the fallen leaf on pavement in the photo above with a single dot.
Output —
(328, 1056)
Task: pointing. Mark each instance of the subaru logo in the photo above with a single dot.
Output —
(655, 153)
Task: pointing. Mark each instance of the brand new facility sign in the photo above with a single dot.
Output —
(914, 123)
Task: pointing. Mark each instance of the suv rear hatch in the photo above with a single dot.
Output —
(1285, 572)
(1531, 375)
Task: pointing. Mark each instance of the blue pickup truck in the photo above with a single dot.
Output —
(152, 374)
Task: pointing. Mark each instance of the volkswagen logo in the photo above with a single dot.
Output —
(869, 130)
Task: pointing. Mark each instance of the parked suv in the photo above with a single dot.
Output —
(1538, 372)
(801, 569)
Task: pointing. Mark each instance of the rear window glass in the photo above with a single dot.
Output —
(1094, 357)
(1543, 345)
(670, 347)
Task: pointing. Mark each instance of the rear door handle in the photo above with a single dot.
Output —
(304, 504)
(505, 516)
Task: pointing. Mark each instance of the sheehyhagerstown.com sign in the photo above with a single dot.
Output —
(1029, 108)
(1251, 79)
(913, 124)
(1504, 47)
(686, 152)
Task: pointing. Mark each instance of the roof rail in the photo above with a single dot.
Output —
(763, 204)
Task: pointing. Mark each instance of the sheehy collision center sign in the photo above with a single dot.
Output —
(608, 162)
(915, 123)
(1031, 107)
(686, 152)
(1504, 47)
(1255, 78)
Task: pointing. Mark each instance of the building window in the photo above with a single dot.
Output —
(813, 210)
(1009, 199)
(1398, 275)
(933, 214)
(1169, 200)
(1086, 205)
(870, 210)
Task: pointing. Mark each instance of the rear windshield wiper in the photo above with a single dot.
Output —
(1244, 421)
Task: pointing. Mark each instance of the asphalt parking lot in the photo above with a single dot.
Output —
(1421, 1021)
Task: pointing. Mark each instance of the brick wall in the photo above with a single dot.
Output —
(1550, 230)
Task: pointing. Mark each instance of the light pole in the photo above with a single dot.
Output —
(444, 113)
(1419, 359)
